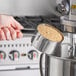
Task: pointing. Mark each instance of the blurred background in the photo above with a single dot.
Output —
(27, 7)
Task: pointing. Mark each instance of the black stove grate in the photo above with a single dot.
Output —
(33, 21)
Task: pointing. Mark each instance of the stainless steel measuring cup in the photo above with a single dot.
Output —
(43, 44)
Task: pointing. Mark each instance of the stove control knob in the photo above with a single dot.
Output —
(32, 55)
(14, 55)
(2, 55)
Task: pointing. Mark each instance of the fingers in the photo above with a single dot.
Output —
(2, 35)
(19, 34)
(12, 33)
(15, 33)
(17, 25)
(9, 28)
(6, 33)
(9, 33)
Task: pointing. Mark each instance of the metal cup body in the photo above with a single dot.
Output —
(44, 45)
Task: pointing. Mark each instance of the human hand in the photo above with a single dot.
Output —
(9, 28)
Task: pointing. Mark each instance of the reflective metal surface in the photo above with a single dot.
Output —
(44, 45)
(27, 7)
(61, 67)
(69, 25)
(63, 61)
(66, 49)
(63, 7)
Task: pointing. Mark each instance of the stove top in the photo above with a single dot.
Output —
(20, 54)
(33, 21)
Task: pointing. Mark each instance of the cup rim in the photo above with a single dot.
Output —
(48, 25)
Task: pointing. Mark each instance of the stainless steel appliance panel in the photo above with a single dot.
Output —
(32, 72)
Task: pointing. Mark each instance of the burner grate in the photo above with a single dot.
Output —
(33, 21)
